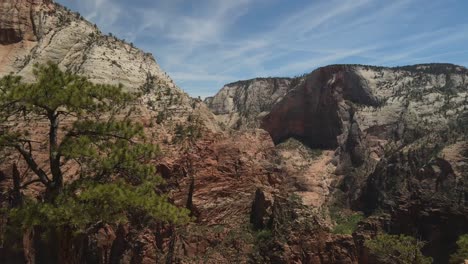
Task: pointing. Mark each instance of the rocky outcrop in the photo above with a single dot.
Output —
(316, 112)
(227, 171)
(244, 103)
(258, 210)
(20, 20)
(423, 187)
(298, 236)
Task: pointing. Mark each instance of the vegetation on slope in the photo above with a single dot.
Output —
(399, 249)
(462, 250)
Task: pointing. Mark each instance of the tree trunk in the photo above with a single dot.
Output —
(118, 246)
(8, 254)
(171, 249)
(189, 204)
(29, 246)
(16, 199)
(67, 252)
(56, 185)
(45, 245)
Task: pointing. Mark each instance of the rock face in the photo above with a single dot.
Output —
(243, 104)
(20, 20)
(316, 111)
(320, 107)
(399, 142)
(227, 177)
(424, 193)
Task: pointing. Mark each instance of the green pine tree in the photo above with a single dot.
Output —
(89, 127)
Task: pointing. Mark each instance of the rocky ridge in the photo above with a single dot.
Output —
(44, 31)
(40, 31)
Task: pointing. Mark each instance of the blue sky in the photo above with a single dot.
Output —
(204, 44)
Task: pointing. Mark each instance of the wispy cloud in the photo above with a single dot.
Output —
(425, 42)
(103, 12)
(197, 76)
(204, 44)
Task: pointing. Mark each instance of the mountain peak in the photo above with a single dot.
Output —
(40, 31)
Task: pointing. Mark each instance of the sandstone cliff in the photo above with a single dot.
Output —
(244, 103)
(40, 31)
(419, 96)
(397, 138)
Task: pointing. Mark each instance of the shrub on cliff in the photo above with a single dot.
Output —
(462, 250)
(345, 222)
(63, 121)
(397, 249)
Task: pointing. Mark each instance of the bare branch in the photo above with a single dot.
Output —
(32, 164)
(29, 183)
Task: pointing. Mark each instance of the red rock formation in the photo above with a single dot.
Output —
(18, 19)
(316, 112)
(227, 171)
